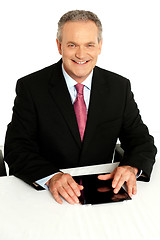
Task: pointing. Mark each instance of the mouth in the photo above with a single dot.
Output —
(80, 62)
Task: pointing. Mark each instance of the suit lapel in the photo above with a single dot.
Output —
(61, 96)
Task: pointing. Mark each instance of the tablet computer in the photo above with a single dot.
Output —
(99, 191)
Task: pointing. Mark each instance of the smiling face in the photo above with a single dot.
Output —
(79, 48)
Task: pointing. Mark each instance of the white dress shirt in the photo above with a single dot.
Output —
(72, 90)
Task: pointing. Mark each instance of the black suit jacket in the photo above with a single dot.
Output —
(43, 135)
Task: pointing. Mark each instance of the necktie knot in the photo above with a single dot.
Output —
(79, 87)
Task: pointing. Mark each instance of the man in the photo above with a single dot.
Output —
(46, 135)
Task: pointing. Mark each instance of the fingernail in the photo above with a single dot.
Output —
(77, 200)
(115, 191)
(78, 193)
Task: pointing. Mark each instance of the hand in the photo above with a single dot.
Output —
(121, 175)
(63, 184)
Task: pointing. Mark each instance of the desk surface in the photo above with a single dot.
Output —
(34, 215)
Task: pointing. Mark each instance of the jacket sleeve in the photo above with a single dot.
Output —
(21, 149)
(138, 145)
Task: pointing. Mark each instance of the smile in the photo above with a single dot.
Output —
(84, 62)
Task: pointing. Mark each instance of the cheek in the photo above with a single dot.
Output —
(66, 53)
(94, 57)
(95, 53)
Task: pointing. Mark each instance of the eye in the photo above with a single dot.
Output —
(71, 45)
(90, 45)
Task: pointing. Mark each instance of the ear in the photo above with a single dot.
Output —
(59, 47)
(100, 46)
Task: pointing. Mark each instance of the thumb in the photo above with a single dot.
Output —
(106, 176)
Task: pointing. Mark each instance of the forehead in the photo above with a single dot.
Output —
(78, 31)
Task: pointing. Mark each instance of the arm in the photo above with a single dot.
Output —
(22, 150)
(138, 146)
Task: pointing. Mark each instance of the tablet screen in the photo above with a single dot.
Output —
(98, 191)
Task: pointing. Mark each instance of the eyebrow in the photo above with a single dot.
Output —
(77, 43)
(71, 42)
(92, 42)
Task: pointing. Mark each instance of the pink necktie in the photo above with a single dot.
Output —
(80, 109)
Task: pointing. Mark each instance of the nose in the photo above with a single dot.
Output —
(80, 53)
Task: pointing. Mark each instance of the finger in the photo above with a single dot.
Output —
(70, 189)
(117, 185)
(66, 196)
(80, 187)
(74, 186)
(71, 192)
(120, 178)
(56, 196)
(134, 191)
(116, 178)
(54, 191)
(106, 176)
(131, 187)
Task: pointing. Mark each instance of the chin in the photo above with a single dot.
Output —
(82, 74)
(80, 77)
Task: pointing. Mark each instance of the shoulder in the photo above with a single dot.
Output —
(41, 76)
(110, 77)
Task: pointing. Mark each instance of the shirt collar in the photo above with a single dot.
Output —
(71, 82)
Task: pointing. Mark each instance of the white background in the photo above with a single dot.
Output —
(131, 47)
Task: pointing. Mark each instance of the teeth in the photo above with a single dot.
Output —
(80, 62)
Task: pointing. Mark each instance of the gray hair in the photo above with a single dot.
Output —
(79, 15)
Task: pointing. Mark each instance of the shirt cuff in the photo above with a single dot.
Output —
(139, 174)
(42, 181)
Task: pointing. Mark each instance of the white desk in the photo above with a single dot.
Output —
(27, 214)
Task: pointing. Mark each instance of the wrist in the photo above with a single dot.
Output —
(135, 170)
(54, 177)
